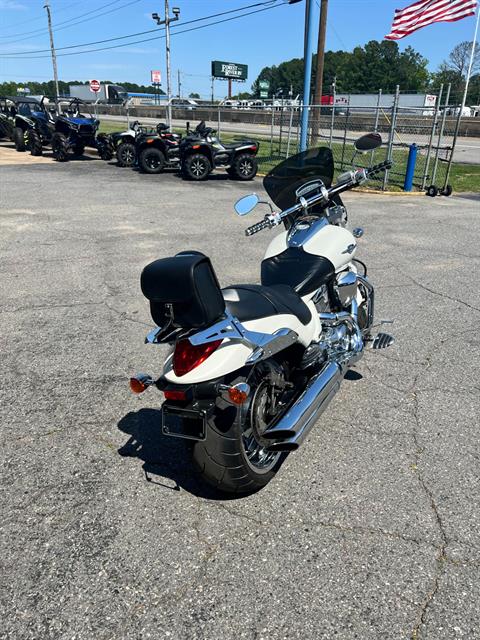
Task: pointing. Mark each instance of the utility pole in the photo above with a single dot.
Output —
(52, 47)
(166, 22)
(213, 97)
(322, 31)
(179, 84)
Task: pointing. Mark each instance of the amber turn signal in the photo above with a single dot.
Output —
(239, 393)
(140, 382)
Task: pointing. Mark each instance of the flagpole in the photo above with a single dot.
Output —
(472, 56)
(459, 118)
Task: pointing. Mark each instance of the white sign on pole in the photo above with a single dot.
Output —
(156, 77)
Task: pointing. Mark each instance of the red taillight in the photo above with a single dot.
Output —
(188, 356)
(175, 395)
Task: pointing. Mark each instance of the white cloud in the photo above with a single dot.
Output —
(11, 5)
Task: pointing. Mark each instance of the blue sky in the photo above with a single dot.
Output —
(258, 40)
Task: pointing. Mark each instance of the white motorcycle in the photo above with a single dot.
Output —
(253, 366)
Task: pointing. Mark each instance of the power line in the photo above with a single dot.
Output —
(139, 33)
(69, 22)
(127, 44)
(15, 24)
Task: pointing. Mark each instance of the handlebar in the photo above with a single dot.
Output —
(255, 228)
(357, 177)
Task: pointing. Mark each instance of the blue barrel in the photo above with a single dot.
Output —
(410, 172)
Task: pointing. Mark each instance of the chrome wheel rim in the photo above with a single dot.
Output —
(258, 458)
(245, 167)
(127, 156)
(198, 168)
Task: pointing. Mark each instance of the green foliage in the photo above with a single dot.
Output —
(377, 65)
(194, 96)
(48, 88)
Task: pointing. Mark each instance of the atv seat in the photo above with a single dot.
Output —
(161, 126)
(254, 301)
(238, 143)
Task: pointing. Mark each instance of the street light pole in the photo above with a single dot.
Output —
(166, 22)
(307, 75)
(52, 47)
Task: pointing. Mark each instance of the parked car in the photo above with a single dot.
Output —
(184, 103)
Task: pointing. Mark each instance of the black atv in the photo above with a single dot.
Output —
(7, 117)
(201, 152)
(123, 143)
(158, 151)
(33, 125)
(75, 129)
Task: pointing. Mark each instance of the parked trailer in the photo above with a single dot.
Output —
(370, 101)
(108, 94)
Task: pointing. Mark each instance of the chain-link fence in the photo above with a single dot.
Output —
(277, 127)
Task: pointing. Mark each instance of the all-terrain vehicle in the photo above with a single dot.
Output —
(123, 143)
(158, 151)
(75, 129)
(201, 152)
(7, 117)
(33, 125)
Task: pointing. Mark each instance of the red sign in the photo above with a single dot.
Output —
(156, 77)
(94, 86)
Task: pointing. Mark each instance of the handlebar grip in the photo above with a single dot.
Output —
(255, 228)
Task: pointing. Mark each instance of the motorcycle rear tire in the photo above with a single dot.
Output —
(222, 458)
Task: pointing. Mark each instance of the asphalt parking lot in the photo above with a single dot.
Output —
(370, 531)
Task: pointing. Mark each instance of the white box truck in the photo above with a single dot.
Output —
(108, 94)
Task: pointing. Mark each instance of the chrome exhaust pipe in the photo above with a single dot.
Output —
(290, 431)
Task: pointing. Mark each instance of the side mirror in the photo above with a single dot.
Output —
(368, 142)
(246, 204)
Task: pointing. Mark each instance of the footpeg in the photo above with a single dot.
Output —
(382, 341)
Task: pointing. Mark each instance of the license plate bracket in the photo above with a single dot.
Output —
(185, 423)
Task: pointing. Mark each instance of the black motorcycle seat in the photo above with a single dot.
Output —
(254, 301)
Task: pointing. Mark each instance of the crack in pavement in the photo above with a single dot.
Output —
(441, 555)
(439, 293)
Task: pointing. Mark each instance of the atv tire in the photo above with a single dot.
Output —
(151, 160)
(78, 150)
(244, 167)
(19, 139)
(196, 167)
(60, 147)
(126, 154)
(104, 147)
(34, 143)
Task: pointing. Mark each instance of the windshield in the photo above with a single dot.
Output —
(284, 181)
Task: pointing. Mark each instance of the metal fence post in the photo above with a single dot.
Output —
(377, 117)
(289, 131)
(271, 133)
(219, 121)
(440, 133)
(332, 122)
(432, 135)
(392, 134)
(347, 118)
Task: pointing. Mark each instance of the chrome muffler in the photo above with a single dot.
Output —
(292, 428)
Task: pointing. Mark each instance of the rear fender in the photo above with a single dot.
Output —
(232, 355)
(200, 148)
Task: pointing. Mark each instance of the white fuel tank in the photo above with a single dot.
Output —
(320, 239)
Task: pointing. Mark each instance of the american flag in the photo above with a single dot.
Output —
(425, 12)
